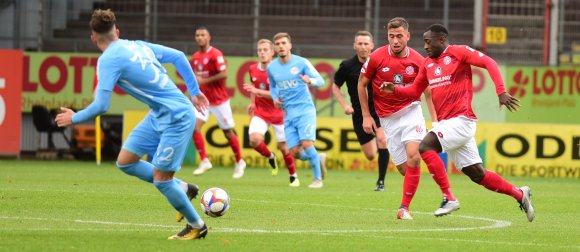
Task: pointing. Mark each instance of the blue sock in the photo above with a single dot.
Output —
(304, 156)
(314, 161)
(141, 169)
(178, 199)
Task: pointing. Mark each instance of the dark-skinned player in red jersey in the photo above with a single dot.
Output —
(447, 70)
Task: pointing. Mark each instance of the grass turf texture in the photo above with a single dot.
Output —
(56, 206)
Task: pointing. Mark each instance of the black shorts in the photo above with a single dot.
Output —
(357, 123)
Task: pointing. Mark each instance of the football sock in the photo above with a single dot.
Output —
(142, 170)
(263, 150)
(304, 156)
(178, 199)
(437, 170)
(235, 144)
(496, 183)
(410, 184)
(181, 184)
(289, 160)
(198, 224)
(383, 163)
(199, 144)
(314, 161)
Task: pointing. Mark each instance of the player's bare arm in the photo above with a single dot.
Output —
(368, 121)
(430, 106)
(348, 110)
(220, 76)
(510, 102)
(256, 91)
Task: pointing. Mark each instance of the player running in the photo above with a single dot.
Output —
(290, 78)
(401, 117)
(447, 71)
(264, 113)
(135, 66)
(209, 66)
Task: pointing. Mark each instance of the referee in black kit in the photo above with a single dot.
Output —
(349, 71)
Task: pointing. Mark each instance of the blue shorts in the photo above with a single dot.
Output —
(168, 145)
(300, 127)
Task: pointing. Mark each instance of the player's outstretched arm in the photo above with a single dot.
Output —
(510, 102)
(414, 90)
(99, 106)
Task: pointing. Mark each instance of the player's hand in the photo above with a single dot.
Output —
(348, 110)
(278, 103)
(251, 108)
(306, 79)
(200, 102)
(250, 88)
(510, 102)
(369, 125)
(64, 118)
(387, 87)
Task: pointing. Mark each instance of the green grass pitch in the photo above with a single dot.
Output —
(79, 206)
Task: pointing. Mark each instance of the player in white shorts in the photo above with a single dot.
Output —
(264, 113)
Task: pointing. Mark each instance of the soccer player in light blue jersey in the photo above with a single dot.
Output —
(135, 66)
(290, 77)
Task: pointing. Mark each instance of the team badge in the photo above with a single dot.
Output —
(262, 86)
(447, 60)
(253, 78)
(398, 78)
(438, 71)
(294, 70)
(199, 67)
(410, 70)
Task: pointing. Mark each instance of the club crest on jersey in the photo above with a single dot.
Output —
(447, 60)
(438, 71)
(410, 70)
(294, 70)
(199, 67)
(398, 78)
(253, 78)
(262, 86)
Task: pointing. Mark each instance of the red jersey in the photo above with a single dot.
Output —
(265, 108)
(450, 79)
(208, 64)
(381, 66)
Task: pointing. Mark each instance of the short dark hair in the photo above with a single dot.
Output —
(280, 35)
(439, 29)
(202, 28)
(363, 33)
(102, 21)
(398, 22)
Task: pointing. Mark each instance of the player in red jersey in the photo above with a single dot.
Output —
(209, 66)
(447, 72)
(264, 113)
(401, 117)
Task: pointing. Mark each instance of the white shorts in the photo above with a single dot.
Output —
(258, 125)
(407, 125)
(456, 136)
(222, 112)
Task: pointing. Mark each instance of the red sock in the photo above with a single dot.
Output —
(410, 184)
(235, 144)
(496, 183)
(289, 160)
(263, 150)
(199, 144)
(437, 170)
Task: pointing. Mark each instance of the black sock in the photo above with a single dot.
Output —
(383, 163)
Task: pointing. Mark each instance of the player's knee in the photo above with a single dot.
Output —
(424, 147)
(370, 156)
(474, 172)
(402, 169)
(254, 142)
(414, 160)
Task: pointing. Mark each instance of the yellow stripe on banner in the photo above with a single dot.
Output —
(98, 139)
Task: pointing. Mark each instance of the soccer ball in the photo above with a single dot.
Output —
(215, 202)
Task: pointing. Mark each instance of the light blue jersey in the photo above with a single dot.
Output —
(285, 82)
(135, 66)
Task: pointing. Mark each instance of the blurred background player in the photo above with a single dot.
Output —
(209, 66)
(290, 78)
(135, 66)
(447, 71)
(264, 112)
(401, 117)
(349, 71)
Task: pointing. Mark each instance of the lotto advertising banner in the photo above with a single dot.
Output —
(538, 150)
(10, 95)
(547, 94)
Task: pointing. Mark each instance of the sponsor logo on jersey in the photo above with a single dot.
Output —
(398, 78)
(287, 84)
(438, 71)
(410, 70)
(430, 65)
(447, 60)
(385, 69)
(294, 70)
